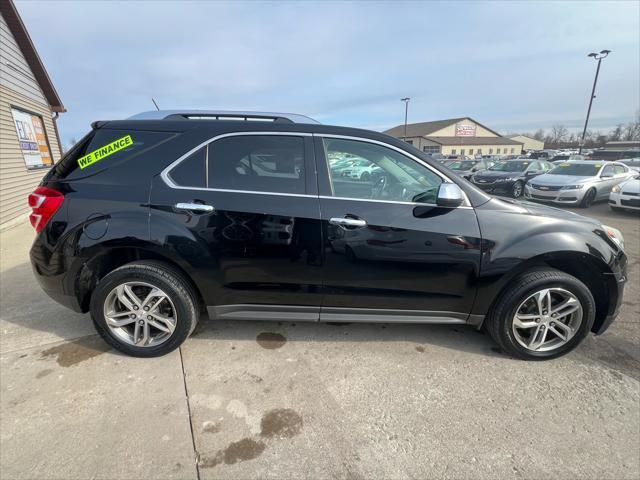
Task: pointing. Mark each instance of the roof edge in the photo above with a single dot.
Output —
(21, 35)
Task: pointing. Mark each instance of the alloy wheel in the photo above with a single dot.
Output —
(517, 190)
(547, 319)
(140, 314)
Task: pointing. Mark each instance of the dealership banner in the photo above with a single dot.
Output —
(33, 139)
(465, 130)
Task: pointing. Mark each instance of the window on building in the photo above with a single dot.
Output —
(369, 163)
(410, 142)
(453, 151)
(498, 150)
(479, 151)
(471, 151)
(261, 163)
(513, 150)
(431, 149)
(32, 138)
(490, 150)
(462, 151)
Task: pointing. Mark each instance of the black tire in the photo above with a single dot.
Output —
(500, 318)
(517, 190)
(160, 275)
(588, 199)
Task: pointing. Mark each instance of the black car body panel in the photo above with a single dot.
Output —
(280, 252)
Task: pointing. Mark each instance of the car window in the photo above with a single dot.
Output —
(261, 163)
(607, 171)
(104, 148)
(191, 171)
(510, 166)
(577, 169)
(391, 176)
(619, 169)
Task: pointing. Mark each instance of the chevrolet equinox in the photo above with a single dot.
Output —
(149, 221)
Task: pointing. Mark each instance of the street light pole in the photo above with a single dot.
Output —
(406, 112)
(599, 57)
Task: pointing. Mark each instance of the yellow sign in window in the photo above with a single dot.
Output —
(105, 151)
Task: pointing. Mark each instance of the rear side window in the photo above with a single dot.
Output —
(191, 172)
(261, 163)
(104, 148)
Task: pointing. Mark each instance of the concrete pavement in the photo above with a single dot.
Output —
(295, 400)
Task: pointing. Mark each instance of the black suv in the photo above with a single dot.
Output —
(149, 221)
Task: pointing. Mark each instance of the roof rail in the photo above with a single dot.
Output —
(222, 115)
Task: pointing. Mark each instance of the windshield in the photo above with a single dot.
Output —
(461, 165)
(512, 166)
(577, 169)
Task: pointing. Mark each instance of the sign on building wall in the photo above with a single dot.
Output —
(463, 130)
(32, 138)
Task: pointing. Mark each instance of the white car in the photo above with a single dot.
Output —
(626, 195)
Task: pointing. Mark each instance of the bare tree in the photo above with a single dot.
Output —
(558, 134)
(539, 135)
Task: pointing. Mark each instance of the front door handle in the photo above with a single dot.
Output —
(348, 222)
(195, 207)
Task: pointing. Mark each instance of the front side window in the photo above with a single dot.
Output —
(368, 171)
(261, 163)
(607, 171)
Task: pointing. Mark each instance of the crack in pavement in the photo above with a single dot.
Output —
(196, 455)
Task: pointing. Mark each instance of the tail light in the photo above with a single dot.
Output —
(44, 202)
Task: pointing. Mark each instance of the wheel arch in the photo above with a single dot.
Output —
(590, 270)
(109, 259)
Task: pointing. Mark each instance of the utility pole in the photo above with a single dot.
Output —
(406, 112)
(599, 57)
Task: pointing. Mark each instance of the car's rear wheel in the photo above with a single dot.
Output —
(144, 309)
(543, 314)
(517, 189)
(588, 198)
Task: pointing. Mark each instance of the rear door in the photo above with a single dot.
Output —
(389, 253)
(243, 212)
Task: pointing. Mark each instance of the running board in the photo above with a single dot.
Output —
(302, 313)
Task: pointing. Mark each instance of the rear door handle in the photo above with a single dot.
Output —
(348, 222)
(195, 207)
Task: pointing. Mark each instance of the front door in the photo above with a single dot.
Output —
(389, 252)
(243, 212)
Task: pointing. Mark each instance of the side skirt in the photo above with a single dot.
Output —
(338, 314)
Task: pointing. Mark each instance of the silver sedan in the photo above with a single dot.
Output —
(577, 182)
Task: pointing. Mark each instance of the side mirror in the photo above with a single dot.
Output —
(450, 195)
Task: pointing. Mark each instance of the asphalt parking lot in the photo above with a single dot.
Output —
(294, 400)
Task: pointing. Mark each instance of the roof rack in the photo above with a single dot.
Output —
(222, 115)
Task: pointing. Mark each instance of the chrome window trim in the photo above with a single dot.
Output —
(170, 183)
(442, 176)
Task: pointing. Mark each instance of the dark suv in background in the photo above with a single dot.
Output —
(148, 221)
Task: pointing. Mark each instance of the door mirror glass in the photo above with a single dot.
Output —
(450, 195)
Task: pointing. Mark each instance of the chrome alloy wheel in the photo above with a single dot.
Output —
(547, 319)
(140, 314)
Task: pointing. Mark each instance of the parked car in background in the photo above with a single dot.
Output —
(564, 157)
(362, 169)
(626, 195)
(245, 220)
(543, 154)
(632, 163)
(509, 177)
(465, 168)
(578, 182)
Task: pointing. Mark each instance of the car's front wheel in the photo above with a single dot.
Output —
(543, 314)
(588, 198)
(517, 189)
(144, 309)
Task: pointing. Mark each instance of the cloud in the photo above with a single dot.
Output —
(511, 65)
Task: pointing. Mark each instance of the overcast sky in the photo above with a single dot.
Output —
(515, 66)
